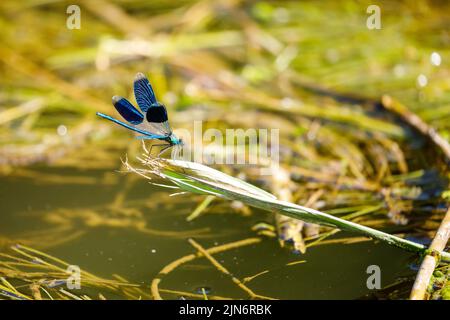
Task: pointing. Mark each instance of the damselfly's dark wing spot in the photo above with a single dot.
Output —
(143, 92)
(157, 114)
(127, 110)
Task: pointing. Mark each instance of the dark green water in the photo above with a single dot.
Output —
(330, 272)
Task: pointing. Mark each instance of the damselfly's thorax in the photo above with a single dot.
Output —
(173, 140)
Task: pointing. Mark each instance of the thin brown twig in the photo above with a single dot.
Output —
(417, 123)
(154, 287)
(225, 271)
(430, 261)
(440, 240)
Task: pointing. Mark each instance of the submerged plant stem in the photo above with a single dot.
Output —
(439, 242)
(154, 287)
(224, 270)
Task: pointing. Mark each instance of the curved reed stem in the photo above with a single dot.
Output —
(197, 178)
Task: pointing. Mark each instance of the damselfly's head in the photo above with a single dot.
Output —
(173, 140)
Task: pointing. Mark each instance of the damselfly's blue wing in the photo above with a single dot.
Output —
(155, 113)
(127, 110)
(133, 116)
(145, 134)
(143, 91)
(155, 124)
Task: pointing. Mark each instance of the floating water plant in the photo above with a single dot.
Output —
(197, 178)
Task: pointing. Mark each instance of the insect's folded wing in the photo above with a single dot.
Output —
(162, 129)
(143, 91)
(127, 110)
(137, 128)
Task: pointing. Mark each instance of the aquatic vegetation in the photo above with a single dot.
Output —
(197, 178)
(35, 275)
(343, 95)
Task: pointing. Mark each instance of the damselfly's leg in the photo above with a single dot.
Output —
(157, 145)
(164, 149)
